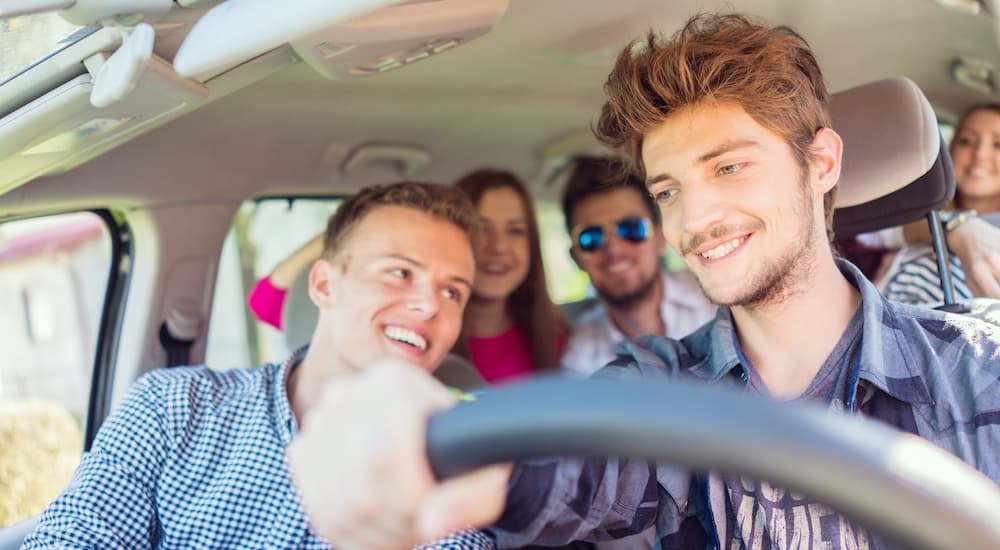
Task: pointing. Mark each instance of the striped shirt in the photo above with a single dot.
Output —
(913, 278)
(193, 458)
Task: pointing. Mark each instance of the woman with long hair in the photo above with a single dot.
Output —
(511, 327)
(975, 153)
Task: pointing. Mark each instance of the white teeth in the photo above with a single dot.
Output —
(495, 268)
(618, 267)
(406, 336)
(723, 249)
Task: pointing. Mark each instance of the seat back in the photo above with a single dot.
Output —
(896, 167)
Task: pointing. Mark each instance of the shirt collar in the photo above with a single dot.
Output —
(883, 365)
(679, 292)
(287, 425)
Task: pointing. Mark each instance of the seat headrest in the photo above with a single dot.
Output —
(891, 138)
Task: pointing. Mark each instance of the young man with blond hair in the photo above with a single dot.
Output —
(727, 121)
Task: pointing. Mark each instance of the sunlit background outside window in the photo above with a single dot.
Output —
(25, 39)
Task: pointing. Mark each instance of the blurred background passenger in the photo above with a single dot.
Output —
(267, 299)
(511, 328)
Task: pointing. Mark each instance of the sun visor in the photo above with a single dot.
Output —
(100, 103)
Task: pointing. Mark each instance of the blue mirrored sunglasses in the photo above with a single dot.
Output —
(591, 238)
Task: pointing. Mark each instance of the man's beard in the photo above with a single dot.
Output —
(788, 275)
(629, 300)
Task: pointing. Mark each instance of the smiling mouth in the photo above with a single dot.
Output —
(406, 336)
(723, 249)
(495, 269)
(619, 267)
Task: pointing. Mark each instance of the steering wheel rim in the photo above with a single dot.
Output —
(895, 484)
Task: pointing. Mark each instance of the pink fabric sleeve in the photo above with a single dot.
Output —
(266, 302)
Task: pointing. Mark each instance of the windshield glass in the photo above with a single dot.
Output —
(28, 38)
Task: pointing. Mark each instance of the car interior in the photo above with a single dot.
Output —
(156, 156)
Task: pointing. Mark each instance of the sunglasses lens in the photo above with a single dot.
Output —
(634, 229)
(590, 239)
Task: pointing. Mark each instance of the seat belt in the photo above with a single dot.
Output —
(177, 335)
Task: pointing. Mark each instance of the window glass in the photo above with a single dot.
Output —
(263, 234)
(25, 39)
(566, 282)
(53, 275)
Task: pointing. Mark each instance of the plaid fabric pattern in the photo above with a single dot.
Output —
(933, 374)
(193, 458)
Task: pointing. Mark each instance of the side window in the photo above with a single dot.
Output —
(264, 233)
(53, 275)
(566, 282)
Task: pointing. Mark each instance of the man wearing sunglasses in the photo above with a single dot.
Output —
(614, 225)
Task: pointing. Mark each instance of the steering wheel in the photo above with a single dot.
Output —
(897, 485)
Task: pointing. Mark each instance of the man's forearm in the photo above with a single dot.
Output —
(559, 501)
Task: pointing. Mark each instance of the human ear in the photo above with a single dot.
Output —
(826, 160)
(322, 277)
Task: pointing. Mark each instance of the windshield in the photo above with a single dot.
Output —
(27, 39)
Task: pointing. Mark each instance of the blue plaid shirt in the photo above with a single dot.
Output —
(193, 458)
(933, 374)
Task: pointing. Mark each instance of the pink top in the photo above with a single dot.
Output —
(506, 356)
(266, 302)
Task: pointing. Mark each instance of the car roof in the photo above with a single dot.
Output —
(521, 97)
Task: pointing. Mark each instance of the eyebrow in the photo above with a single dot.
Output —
(718, 151)
(415, 263)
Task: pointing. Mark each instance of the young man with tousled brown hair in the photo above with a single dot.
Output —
(727, 121)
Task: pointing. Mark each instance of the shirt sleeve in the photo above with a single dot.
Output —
(266, 302)
(555, 502)
(110, 502)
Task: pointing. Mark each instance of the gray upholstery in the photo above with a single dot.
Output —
(891, 138)
(931, 191)
(896, 166)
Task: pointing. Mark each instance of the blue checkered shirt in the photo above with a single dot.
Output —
(193, 458)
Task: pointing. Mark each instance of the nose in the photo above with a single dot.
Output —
(424, 301)
(614, 244)
(984, 150)
(701, 208)
(496, 241)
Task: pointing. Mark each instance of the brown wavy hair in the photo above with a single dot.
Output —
(768, 71)
(529, 305)
(440, 201)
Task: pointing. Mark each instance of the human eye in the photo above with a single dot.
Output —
(664, 196)
(963, 141)
(730, 169)
(517, 230)
(452, 293)
(400, 272)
